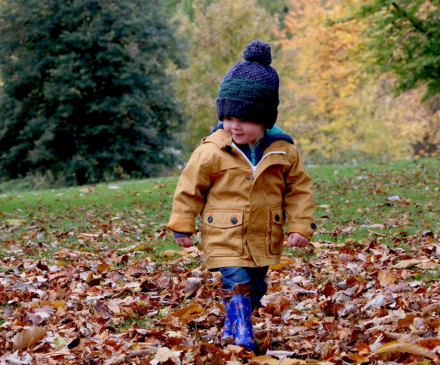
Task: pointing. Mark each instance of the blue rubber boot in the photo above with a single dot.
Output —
(239, 321)
(227, 334)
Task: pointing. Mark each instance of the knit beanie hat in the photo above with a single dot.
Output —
(249, 90)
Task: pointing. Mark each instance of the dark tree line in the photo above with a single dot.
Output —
(85, 91)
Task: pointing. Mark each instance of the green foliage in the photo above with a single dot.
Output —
(86, 95)
(275, 7)
(279, 8)
(404, 39)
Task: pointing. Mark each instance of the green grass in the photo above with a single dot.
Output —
(133, 214)
(355, 205)
(360, 202)
(129, 323)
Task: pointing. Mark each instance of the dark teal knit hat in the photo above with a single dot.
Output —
(249, 90)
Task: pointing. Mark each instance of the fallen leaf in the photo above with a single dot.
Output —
(58, 342)
(405, 264)
(88, 235)
(394, 198)
(427, 265)
(268, 360)
(15, 222)
(174, 252)
(359, 359)
(405, 347)
(164, 354)
(28, 337)
(429, 343)
(16, 359)
(434, 307)
(6, 214)
(386, 277)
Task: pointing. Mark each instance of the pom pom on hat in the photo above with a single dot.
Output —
(258, 51)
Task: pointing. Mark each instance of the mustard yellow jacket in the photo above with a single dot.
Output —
(243, 207)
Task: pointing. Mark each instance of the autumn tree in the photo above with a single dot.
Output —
(278, 8)
(217, 36)
(335, 111)
(403, 44)
(85, 91)
(404, 39)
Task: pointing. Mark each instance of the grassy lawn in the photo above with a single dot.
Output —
(385, 202)
(93, 267)
(394, 203)
(123, 217)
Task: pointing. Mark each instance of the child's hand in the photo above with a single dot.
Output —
(297, 240)
(184, 241)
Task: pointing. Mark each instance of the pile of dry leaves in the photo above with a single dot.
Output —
(346, 303)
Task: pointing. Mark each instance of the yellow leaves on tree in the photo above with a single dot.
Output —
(331, 106)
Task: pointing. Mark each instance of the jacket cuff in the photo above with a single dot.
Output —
(183, 223)
(307, 229)
(181, 234)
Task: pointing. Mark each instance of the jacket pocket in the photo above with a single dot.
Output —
(222, 232)
(276, 230)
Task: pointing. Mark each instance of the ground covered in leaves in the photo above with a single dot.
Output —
(109, 291)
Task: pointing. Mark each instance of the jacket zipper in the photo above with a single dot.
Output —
(254, 168)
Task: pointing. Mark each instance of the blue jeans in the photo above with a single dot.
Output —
(255, 277)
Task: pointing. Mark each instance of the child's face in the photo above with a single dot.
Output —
(242, 131)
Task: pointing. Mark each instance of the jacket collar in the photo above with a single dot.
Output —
(221, 139)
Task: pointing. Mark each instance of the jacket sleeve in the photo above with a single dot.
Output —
(189, 195)
(299, 202)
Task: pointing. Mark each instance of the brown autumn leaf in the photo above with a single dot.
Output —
(429, 343)
(88, 189)
(28, 337)
(359, 359)
(88, 235)
(40, 315)
(328, 289)
(432, 308)
(192, 308)
(6, 214)
(104, 267)
(165, 354)
(264, 359)
(408, 347)
(101, 307)
(406, 322)
(405, 264)
(386, 277)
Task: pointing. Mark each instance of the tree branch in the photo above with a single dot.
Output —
(418, 24)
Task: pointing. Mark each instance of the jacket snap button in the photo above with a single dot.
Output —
(234, 220)
(210, 219)
(248, 177)
(277, 218)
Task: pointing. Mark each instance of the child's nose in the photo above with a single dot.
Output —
(235, 125)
